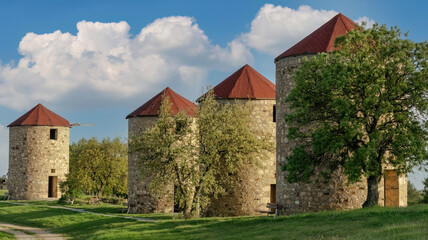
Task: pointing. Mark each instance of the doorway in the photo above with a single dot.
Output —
(392, 192)
(273, 193)
(53, 187)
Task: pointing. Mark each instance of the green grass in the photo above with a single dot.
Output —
(102, 208)
(375, 223)
(6, 236)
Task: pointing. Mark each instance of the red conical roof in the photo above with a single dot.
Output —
(40, 116)
(152, 107)
(322, 39)
(245, 83)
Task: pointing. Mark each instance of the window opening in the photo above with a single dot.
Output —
(53, 134)
(274, 113)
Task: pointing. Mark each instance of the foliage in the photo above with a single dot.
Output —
(97, 168)
(195, 155)
(4, 194)
(425, 191)
(413, 195)
(71, 189)
(5, 236)
(166, 155)
(373, 223)
(359, 108)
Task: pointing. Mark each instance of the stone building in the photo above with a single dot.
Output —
(140, 199)
(303, 197)
(38, 154)
(252, 187)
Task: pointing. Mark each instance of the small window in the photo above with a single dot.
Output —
(52, 170)
(274, 113)
(53, 134)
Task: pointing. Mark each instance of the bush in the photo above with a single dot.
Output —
(413, 195)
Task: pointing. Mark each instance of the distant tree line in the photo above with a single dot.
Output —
(97, 168)
(415, 196)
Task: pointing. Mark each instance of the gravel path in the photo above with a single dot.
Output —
(28, 233)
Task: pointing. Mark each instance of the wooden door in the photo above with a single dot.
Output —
(392, 192)
(53, 187)
(273, 193)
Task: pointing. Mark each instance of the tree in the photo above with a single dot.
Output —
(413, 195)
(197, 153)
(360, 108)
(97, 168)
(425, 191)
(166, 155)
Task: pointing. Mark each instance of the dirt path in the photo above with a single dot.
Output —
(28, 233)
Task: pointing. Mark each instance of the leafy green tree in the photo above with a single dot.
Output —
(166, 155)
(196, 153)
(425, 191)
(360, 108)
(413, 195)
(97, 168)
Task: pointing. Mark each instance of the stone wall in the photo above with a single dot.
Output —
(140, 198)
(33, 157)
(312, 196)
(250, 189)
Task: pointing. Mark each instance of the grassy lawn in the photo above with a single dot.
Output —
(375, 223)
(5, 236)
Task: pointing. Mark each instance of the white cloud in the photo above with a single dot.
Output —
(104, 64)
(4, 150)
(369, 22)
(277, 28)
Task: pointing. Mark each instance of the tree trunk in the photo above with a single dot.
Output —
(197, 200)
(372, 192)
(188, 207)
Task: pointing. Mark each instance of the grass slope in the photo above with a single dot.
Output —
(375, 223)
(6, 236)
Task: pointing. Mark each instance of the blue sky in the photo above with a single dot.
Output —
(97, 61)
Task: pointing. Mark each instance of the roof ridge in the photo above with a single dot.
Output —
(37, 112)
(40, 116)
(152, 106)
(322, 39)
(334, 26)
(250, 83)
(168, 94)
(246, 83)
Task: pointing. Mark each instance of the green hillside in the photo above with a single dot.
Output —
(376, 223)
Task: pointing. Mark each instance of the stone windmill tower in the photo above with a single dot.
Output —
(252, 187)
(140, 199)
(303, 197)
(38, 154)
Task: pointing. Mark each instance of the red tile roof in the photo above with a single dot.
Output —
(152, 107)
(322, 39)
(40, 116)
(245, 83)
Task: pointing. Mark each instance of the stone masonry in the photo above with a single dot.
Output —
(140, 199)
(313, 196)
(251, 188)
(33, 158)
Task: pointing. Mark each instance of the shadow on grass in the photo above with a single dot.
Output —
(375, 223)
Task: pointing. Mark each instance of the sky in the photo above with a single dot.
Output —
(97, 61)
